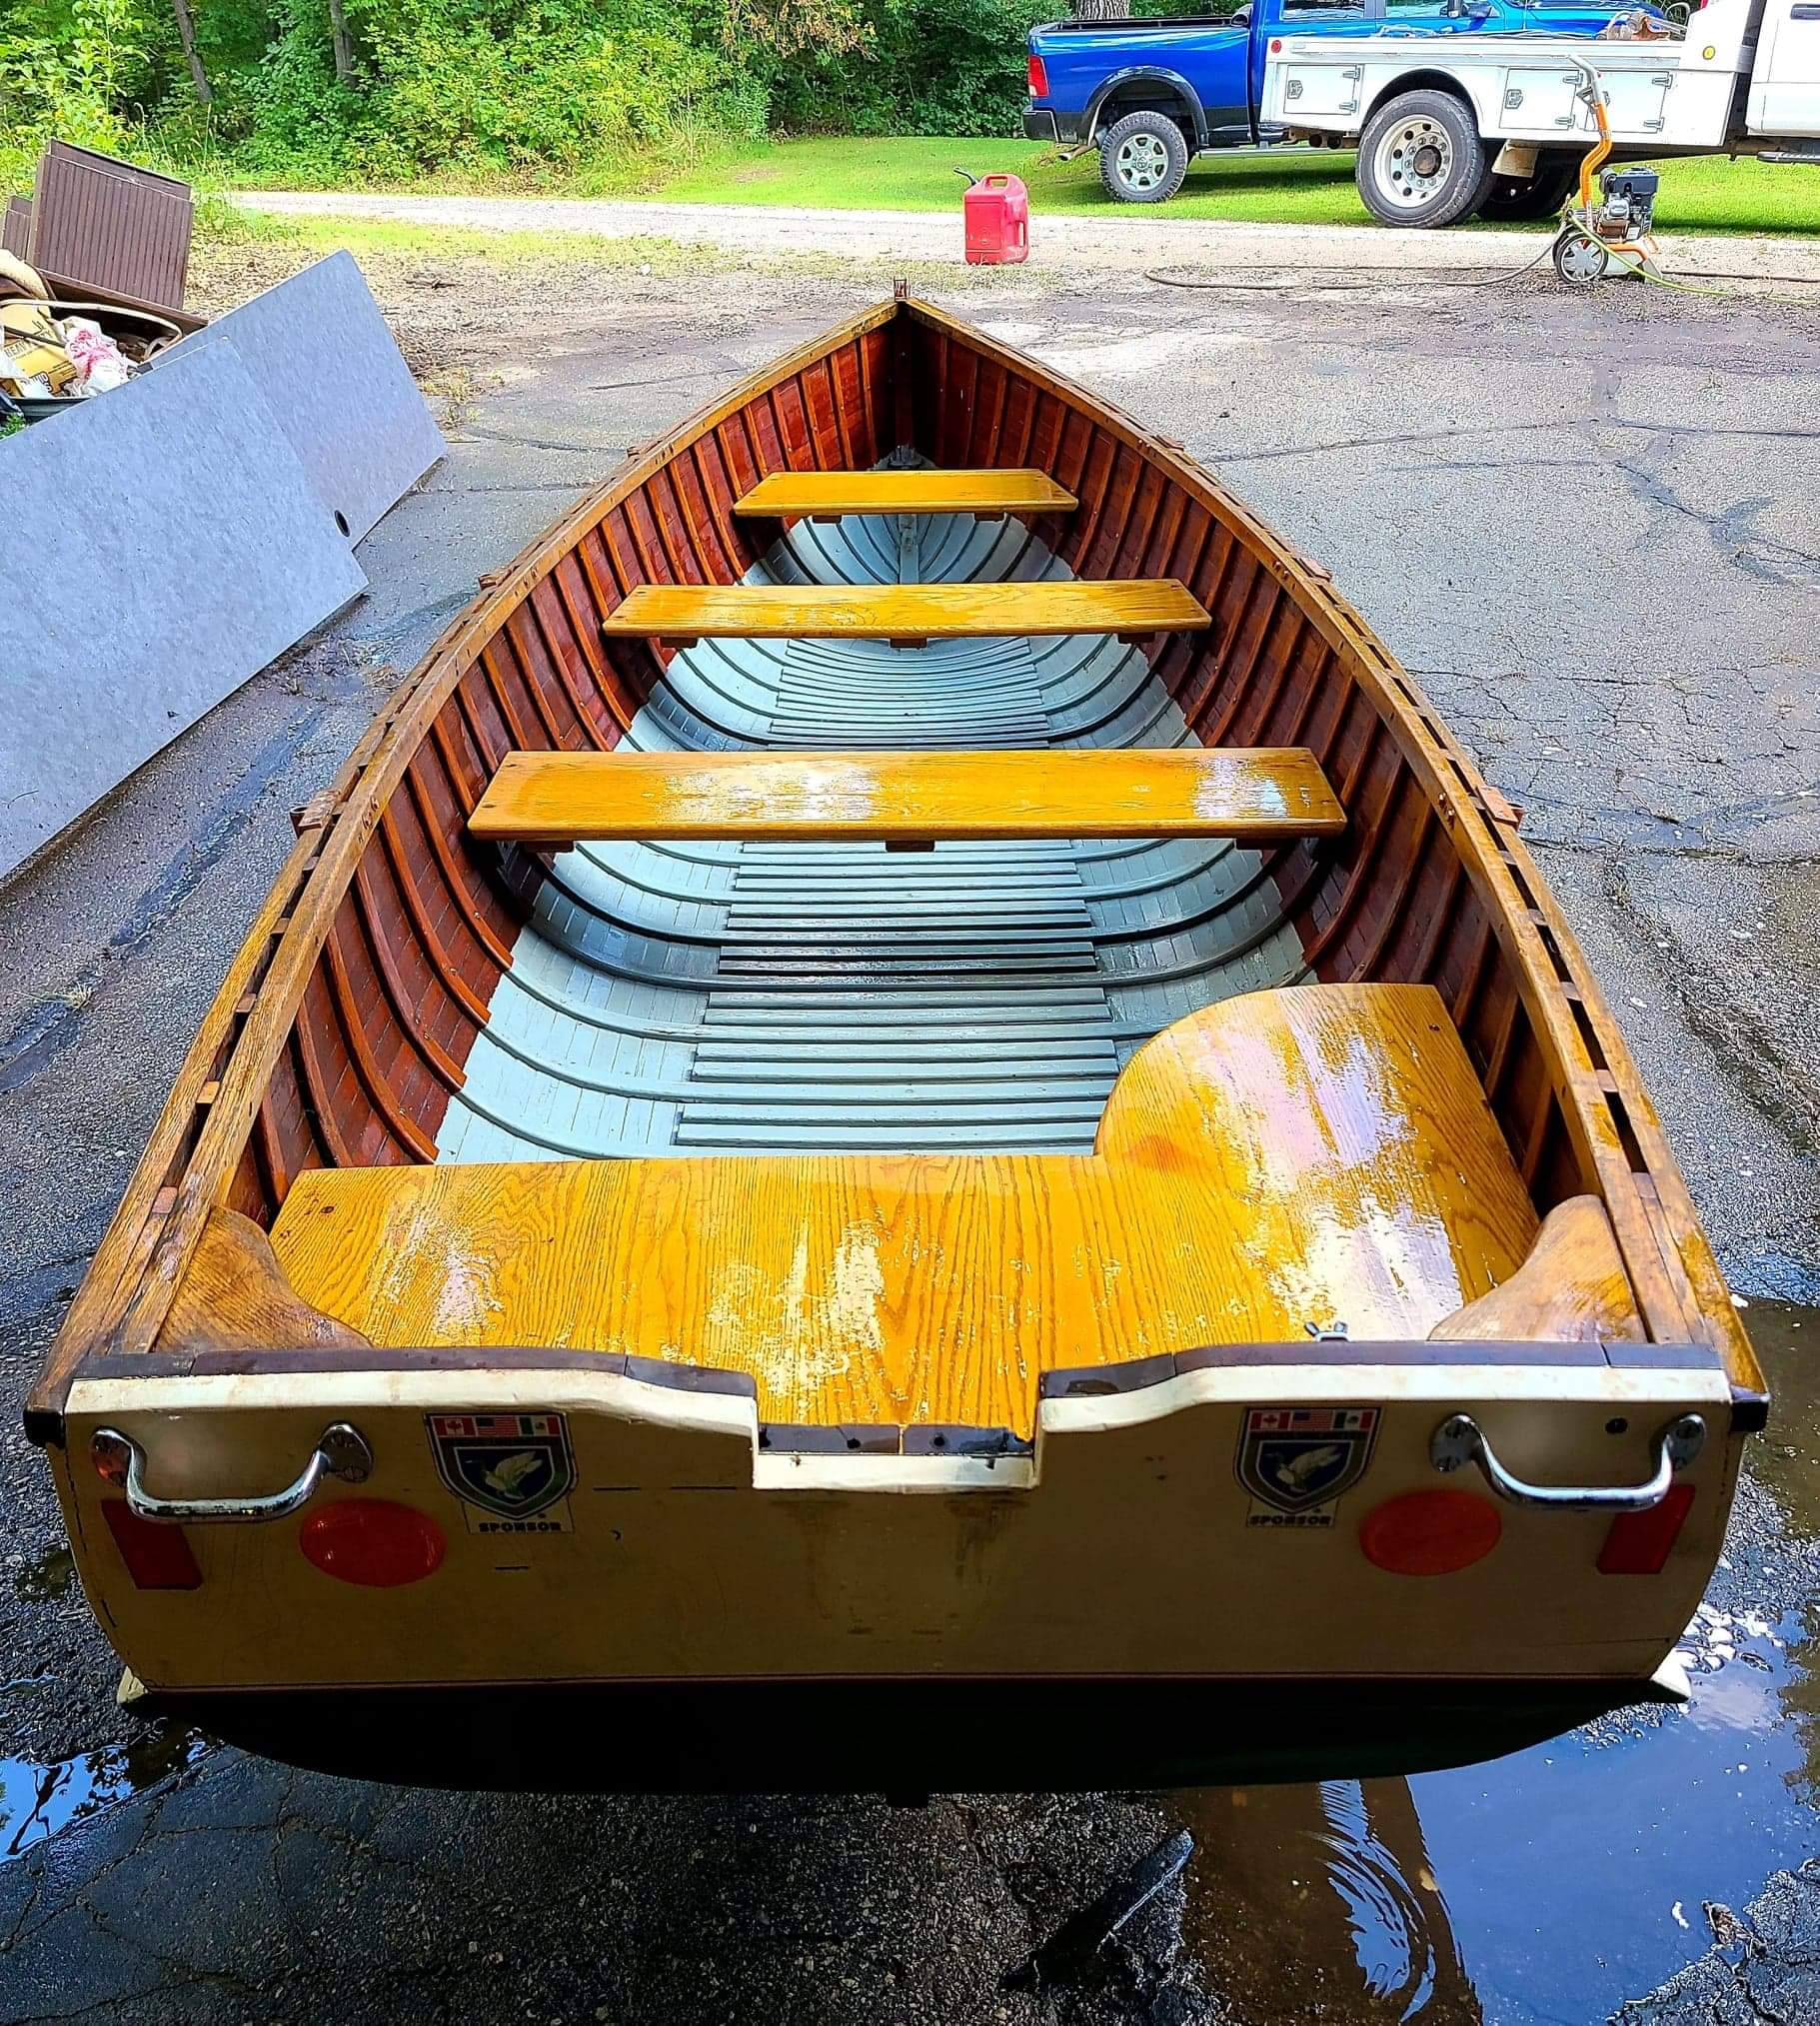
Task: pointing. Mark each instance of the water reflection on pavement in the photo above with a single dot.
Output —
(1557, 1883)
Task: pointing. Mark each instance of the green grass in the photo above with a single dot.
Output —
(238, 250)
(1705, 194)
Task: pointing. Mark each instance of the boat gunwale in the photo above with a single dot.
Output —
(1406, 1373)
(132, 1280)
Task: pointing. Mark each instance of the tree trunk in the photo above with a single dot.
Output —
(1101, 10)
(344, 48)
(186, 34)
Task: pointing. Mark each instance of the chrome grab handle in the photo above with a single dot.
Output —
(1460, 1440)
(341, 1452)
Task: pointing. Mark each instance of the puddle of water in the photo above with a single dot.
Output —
(1557, 1883)
(37, 1800)
(47, 1578)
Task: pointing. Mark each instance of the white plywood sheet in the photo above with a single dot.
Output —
(159, 546)
(323, 356)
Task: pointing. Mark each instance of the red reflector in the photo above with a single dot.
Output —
(1038, 76)
(1638, 1542)
(371, 1542)
(1277, 47)
(157, 1557)
(1430, 1534)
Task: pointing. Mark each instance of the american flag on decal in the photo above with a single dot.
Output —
(1311, 1421)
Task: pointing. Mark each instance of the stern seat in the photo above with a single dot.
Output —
(1275, 1163)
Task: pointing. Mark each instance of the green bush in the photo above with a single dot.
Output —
(576, 87)
(71, 84)
(499, 84)
(927, 67)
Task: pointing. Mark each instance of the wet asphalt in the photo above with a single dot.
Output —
(1589, 524)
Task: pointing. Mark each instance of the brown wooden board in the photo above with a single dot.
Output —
(16, 227)
(110, 225)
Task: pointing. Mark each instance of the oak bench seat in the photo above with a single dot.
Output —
(1287, 1159)
(819, 496)
(1257, 794)
(909, 615)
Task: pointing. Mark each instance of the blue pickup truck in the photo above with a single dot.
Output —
(1152, 91)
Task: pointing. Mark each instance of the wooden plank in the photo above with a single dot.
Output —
(903, 612)
(1302, 1157)
(1257, 793)
(786, 494)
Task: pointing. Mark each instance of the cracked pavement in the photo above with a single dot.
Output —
(1588, 523)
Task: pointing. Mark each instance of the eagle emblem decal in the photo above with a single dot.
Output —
(1297, 1463)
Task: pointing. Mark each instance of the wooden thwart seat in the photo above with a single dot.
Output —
(1313, 1156)
(909, 614)
(1257, 794)
(819, 496)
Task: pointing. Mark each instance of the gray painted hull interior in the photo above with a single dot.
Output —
(740, 997)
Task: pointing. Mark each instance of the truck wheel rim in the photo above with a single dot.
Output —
(1414, 162)
(1143, 162)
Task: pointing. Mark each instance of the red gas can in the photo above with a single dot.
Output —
(997, 221)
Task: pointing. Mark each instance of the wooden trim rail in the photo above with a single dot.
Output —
(1261, 795)
(824, 496)
(906, 614)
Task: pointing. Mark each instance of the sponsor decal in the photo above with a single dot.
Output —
(1297, 1463)
(512, 1472)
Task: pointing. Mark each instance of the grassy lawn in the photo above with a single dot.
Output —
(1707, 194)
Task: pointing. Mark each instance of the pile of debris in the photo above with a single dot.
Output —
(92, 271)
(52, 351)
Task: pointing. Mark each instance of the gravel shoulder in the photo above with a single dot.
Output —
(1061, 243)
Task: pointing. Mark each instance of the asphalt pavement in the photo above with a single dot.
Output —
(1588, 523)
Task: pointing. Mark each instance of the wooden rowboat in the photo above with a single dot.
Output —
(906, 1121)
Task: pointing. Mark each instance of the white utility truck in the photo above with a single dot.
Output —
(1447, 125)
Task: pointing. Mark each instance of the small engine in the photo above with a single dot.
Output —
(1626, 208)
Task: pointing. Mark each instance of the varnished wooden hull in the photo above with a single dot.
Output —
(708, 1536)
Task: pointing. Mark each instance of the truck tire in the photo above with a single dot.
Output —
(1422, 161)
(1522, 199)
(1143, 158)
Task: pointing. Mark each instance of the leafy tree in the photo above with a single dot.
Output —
(324, 89)
(186, 34)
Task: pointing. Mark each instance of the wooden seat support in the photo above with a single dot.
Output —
(1316, 1154)
(826, 496)
(1259, 794)
(907, 615)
